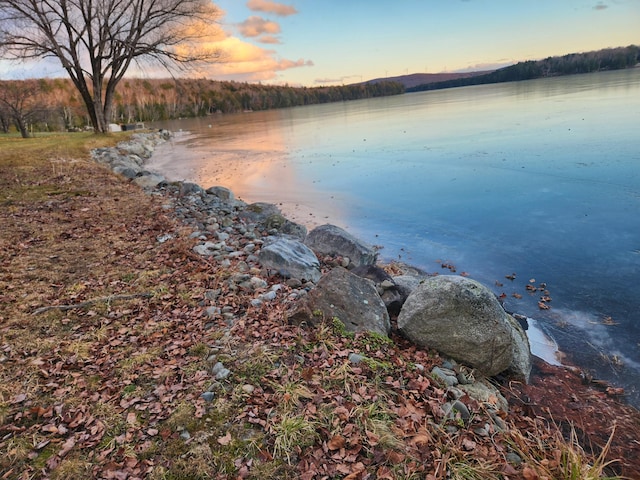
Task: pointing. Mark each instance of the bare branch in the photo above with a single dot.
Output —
(96, 41)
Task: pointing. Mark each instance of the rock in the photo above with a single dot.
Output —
(456, 407)
(220, 372)
(520, 367)
(259, 212)
(127, 171)
(284, 226)
(447, 376)
(221, 192)
(389, 291)
(356, 358)
(188, 188)
(332, 240)
(149, 180)
(351, 299)
(248, 389)
(290, 258)
(208, 396)
(462, 319)
(484, 392)
(207, 248)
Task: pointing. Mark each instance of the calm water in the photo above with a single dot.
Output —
(538, 178)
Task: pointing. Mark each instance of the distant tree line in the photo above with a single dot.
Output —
(54, 104)
(607, 59)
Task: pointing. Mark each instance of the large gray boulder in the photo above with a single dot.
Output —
(332, 240)
(290, 258)
(462, 319)
(351, 299)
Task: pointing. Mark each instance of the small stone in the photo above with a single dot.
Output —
(220, 372)
(513, 458)
(442, 374)
(450, 409)
(294, 283)
(185, 435)
(462, 379)
(419, 367)
(454, 393)
(212, 294)
(248, 389)
(256, 302)
(164, 238)
(269, 296)
(356, 358)
(208, 396)
(257, 282)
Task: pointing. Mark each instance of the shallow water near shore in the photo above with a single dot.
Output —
(540, 179)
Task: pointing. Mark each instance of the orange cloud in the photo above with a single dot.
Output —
(255, 26)
(244, 61)
(271, 7)
(270, 39)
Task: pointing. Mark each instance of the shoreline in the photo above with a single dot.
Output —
(555, 392)
(128, 352)
(546, 348)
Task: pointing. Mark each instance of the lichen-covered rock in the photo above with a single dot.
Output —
(462, 319)
(351, 299)
(333, 240)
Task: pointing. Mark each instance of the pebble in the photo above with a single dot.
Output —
(450, 409)
(248, 388)
(446, 375)
(513, 458)
(220, 372)
(208, 396)
(356, 358)
(269, 296)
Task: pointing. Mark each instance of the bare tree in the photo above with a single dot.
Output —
(20, 104)
(97, 41)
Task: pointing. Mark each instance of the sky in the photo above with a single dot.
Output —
(329, 42)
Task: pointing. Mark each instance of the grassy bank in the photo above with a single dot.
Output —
(106, 351)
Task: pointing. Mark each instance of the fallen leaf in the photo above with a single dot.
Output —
(225, 440)
(529, 474)
(132, 419)
(468, 445)
(337, 442)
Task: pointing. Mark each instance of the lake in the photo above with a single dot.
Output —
(539, 178)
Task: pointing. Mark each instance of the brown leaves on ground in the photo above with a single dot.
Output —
(112, 389)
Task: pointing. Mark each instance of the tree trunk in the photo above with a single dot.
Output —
(22, 127)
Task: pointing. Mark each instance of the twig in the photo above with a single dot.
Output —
(107, 299)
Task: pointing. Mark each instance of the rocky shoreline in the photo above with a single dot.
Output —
(327, 273)
(330, 275)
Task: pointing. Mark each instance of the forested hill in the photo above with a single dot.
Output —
(608, 59)
(54, 104)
